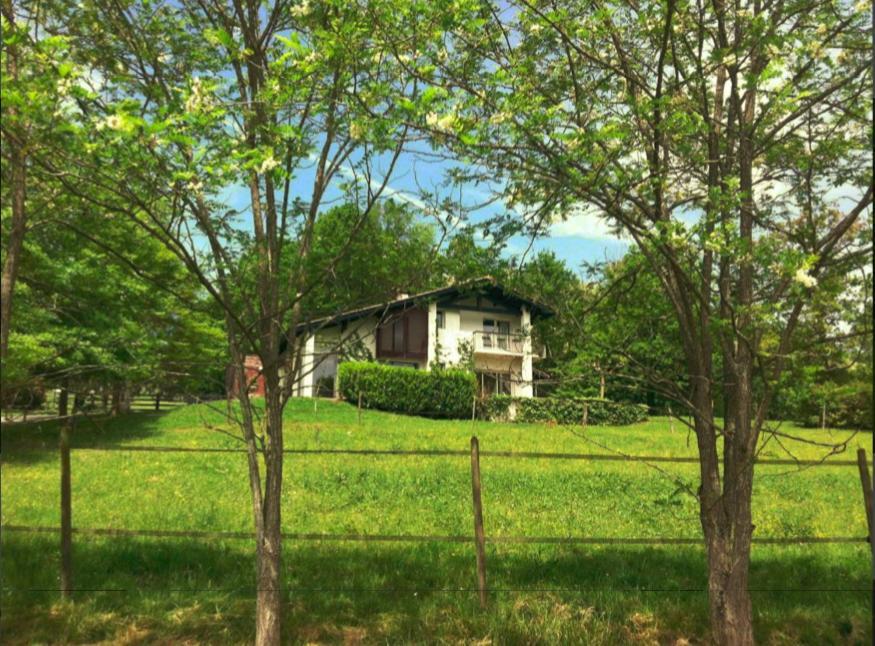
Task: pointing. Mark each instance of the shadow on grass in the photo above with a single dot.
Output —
(138, 590)
(29, 442)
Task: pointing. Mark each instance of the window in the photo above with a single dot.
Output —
(441, 319)
(398, 336)
(494, 383)
(404, 336)
(488, 329)
(496, 333)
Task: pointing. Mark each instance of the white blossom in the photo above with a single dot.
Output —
(268, 164)
(195, 185)
(804, 278)
(199, 100)
(302, 10)
(446, 123)
(356, 130)
(113, 122)
(65, 85)
(501, 117)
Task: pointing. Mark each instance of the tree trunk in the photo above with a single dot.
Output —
(116, 399)
(268, 608)
(268, 611)
(728, 594)
(727, 527)
(18, 226)
(63, 400)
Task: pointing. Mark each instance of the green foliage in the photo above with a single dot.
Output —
(548, 280)
(438, 393)
(370, 258)
(845, 406)
(82, 316)
(563, 410)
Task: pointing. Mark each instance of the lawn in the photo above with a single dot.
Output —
(170, 589)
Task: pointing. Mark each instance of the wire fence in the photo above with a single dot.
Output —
(460, 453)
(46, 406)
(479, 537)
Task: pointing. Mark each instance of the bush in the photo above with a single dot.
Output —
(848, 406)
(562, 410)
(436, 393)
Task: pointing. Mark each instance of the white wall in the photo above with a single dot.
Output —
(443, 345)
(319, 357)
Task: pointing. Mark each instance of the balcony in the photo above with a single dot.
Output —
(502, 343)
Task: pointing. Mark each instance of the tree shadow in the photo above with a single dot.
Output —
(178, 590)
(36, 441)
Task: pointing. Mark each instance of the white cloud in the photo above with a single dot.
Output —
(588, 226)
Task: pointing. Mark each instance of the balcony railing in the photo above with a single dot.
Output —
(499, 342)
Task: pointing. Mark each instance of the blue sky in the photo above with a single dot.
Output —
(580, 239)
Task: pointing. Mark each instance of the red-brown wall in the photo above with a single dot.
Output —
(254, 377)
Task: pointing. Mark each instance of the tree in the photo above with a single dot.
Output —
(548, 280)
(85, 321)
(390, 252)
(32, 68)
(731, 142)
(180, 104)
(464, 259)
(625, 344)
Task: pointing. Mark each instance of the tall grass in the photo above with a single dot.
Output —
(181, 589)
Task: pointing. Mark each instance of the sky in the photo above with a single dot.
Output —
(581, 238)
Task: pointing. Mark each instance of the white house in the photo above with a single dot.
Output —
(478, 324)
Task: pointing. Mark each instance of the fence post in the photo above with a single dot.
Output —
(479, 535)
(158, 401)
(66, 498)
(360, 407)
(585, 419)
(866, 482)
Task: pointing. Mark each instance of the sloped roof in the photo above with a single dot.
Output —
(484, 286)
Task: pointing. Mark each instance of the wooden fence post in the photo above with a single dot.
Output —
(866, 482)
(360, 407)
(158, 401)
(66, 499)
(479, 535)
(585, 419)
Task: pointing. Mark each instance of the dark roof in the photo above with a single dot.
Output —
(485, 286)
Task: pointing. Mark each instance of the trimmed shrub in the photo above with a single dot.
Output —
(435, 393)
(562, 410)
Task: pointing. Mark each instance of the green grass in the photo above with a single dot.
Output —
(170, 590)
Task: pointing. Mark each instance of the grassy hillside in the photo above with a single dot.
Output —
(174, 589)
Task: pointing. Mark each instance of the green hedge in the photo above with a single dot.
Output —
(437, 393)
(563, 410)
